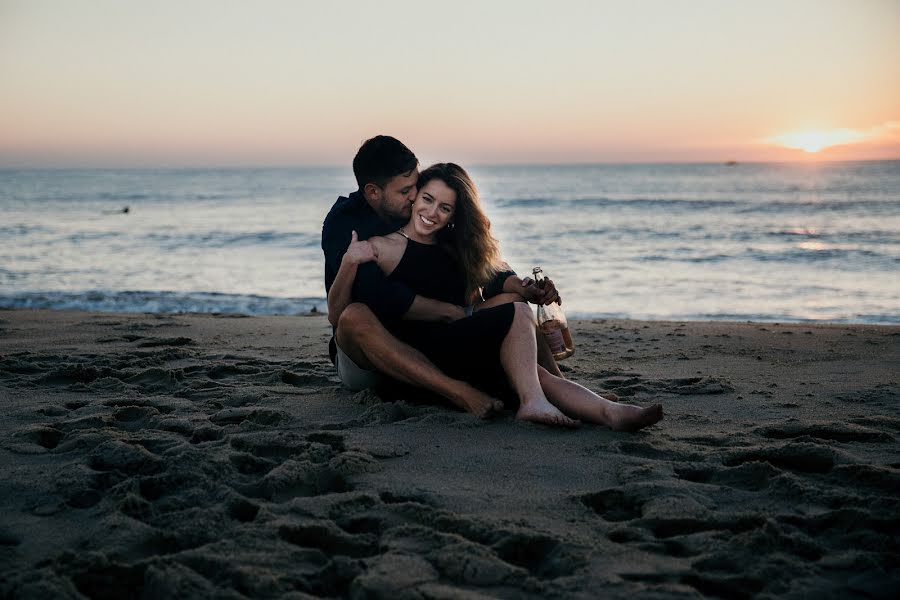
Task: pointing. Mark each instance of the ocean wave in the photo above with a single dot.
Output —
(89, 236)
(712, 258)
(525, 202)
(857, 207)
(22, 229)
(164, 302)
(221, 239)
(754, 317)
(91, 196)
(854, 207)
(128, 197)
(600, 202)
(872, 236)
(853, 257)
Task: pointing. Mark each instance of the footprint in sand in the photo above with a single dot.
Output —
(252, 414)
(838, 432)
(804, 457)
(752, 476)
(175, 341)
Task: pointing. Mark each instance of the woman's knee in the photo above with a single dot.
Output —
(523, 312)
(543, 374)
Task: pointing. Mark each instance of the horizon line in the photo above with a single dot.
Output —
(260, 166)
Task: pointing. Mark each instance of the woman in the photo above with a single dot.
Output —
(447, 252)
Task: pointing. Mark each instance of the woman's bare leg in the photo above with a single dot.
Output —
(518, 355)
(582, 403)
(544, 354)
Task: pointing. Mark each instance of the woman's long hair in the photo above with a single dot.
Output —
(469, 239)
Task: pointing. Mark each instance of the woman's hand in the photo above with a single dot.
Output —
(360, 252)
(537, 295)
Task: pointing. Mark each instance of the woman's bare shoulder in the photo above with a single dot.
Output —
(390, 249)
(390, 241)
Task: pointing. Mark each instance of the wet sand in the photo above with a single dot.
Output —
(162, 456)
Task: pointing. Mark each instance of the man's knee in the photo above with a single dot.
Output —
(356, 320)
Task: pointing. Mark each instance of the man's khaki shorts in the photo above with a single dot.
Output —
(354, 377)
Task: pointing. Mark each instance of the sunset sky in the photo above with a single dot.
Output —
(218, 82)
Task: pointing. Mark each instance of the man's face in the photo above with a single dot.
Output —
(396, 198)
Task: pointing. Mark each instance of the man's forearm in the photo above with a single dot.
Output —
(426, 309)
(341, 292)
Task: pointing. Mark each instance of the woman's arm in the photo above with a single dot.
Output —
(499, 299)
(340, 294)
(426, 309)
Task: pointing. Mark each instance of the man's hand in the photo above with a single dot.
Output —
(537, 295)
(360, 252)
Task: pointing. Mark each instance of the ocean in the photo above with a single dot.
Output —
(810, 242)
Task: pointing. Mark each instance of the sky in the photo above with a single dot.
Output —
(282, 83)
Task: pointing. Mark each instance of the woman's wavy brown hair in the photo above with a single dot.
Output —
(469, 240)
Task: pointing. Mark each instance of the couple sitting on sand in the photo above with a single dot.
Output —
(418, 292)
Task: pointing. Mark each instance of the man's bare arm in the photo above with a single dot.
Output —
(341, 293)
(427, 309)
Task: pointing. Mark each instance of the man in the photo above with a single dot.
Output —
(362, 349)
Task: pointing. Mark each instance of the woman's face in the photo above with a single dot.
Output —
(434, 208)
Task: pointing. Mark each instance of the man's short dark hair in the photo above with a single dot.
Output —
(380, 159)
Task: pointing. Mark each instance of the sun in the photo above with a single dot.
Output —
(814, 140)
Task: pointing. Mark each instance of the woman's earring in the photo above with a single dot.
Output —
(451, 225)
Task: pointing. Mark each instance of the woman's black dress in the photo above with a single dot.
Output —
(467, 349)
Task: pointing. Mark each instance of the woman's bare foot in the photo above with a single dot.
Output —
(541, 411)
(476, 402)
(625, 417)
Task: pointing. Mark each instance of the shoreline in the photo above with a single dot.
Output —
(192, 454)
(575, 319)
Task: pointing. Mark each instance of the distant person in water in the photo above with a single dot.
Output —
(446, 251)
(362, 348)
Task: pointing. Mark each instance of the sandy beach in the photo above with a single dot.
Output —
(176, 456)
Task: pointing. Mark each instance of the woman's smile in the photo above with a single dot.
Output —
(434, 208)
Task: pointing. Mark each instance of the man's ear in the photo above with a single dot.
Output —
(371, 192)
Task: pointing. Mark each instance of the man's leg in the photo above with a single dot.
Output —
(365, 340)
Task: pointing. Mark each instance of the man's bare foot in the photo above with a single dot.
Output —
(541, 411)
(476, 402)
(625, 417)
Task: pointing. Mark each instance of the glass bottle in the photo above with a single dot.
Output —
(552, 323)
